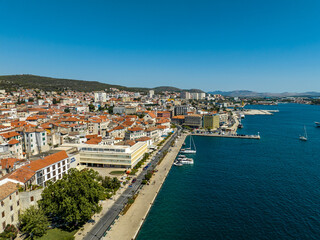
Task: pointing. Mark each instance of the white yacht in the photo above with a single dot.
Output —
(185, 160)
(178, 164)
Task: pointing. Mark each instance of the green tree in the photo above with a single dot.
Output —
(111, 183)
(10, 232)
(67, 110)
(74, 198)
(33, 222)
(91, 107)
(110, 109)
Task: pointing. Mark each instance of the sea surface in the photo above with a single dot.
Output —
(246, 189)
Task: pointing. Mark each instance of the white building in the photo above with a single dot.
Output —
(151, 93)
(110, 156)
(35, 141)
(100, 97)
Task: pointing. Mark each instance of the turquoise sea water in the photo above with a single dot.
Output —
(246, 189)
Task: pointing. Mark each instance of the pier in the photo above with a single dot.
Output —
(228, 135)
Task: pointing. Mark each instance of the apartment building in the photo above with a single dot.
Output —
(35, 141)
(211, 121)
(9, 204)
(134, 133)
(193, 120)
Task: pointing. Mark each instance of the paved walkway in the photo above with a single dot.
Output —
(108, 203)
(128, 226)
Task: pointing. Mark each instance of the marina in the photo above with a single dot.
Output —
(245, 189)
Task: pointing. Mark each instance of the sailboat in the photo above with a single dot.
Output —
(190, 150)
(305, 137)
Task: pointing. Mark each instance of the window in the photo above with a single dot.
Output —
(12, 218)
(31, 199)
(17, 193)
(53, 173)
(2, 203)
(48, 169)
(11, 208)
(58, 164)
(64, 168)
(3, 214)
(48, 176)
(18, 203)
(10, 197)
(53, 167)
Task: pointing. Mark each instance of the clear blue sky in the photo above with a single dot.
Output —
(213, 45)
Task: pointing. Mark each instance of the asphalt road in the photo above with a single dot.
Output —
(99, 229)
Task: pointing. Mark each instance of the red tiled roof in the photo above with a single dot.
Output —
(8, 162)
(13, 141)
(134, 129)
(94, 140)
(126, 142)
(143, 139)
(10, 134)
(7, 189)
(51, 159)
(22, 174)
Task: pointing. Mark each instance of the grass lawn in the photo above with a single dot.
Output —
(116, 172)
(57, 234)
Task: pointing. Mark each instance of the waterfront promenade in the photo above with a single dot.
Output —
(127, 226)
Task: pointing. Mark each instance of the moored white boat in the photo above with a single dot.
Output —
(189, 149)
(178, 164)
(186, 161)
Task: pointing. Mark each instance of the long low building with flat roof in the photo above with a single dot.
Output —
(111, 156)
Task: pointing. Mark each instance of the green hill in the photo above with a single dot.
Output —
(12, 82)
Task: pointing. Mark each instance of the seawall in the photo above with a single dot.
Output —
(128, 225)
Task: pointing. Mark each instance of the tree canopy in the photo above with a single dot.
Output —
(33, 222)
(74, 198)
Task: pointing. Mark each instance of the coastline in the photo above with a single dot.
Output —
(128, 225)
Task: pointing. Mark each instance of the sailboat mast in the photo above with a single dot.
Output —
(194, 145)
(305, 132)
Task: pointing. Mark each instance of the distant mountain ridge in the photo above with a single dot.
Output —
(11, 82)
(246, 93)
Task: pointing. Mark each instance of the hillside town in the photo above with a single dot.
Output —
(45, 134)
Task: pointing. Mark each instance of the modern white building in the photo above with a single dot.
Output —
(110, 156)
